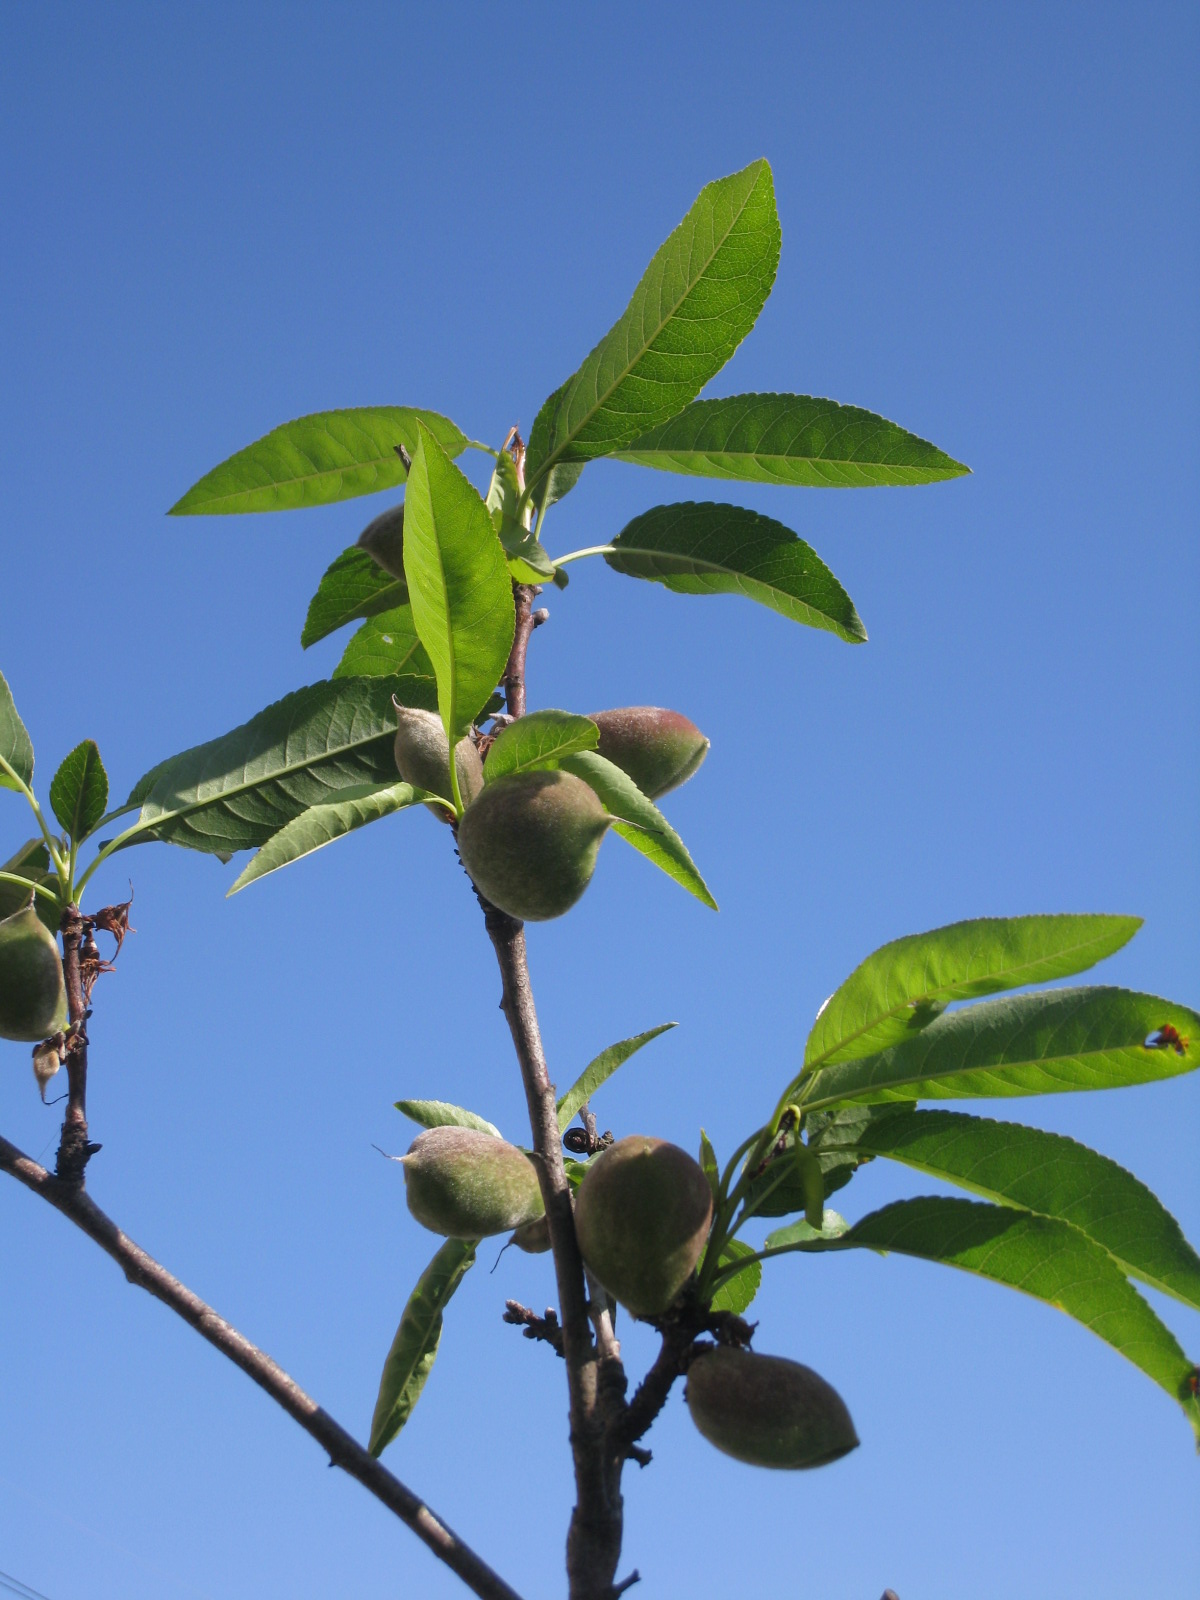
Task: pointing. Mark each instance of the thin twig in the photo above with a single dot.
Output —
(548, 1328)
(344, 1450)
(74, 1149)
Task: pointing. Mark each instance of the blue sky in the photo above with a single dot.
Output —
(220, 217)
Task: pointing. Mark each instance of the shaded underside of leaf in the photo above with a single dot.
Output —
(387, 646)
(705, 548)
(343, 813)
(600, 1069)
(415, 1346)
(901, 987)
(317, 459)
(32, 863)
(695, 303)
(79, 790)
(354, 587)
(1048, 1174)
(651, 833)
(16, 747)
(1044, 1258)
(235, 792)
(791, 439)
(1067, 1039)
(442, 1114)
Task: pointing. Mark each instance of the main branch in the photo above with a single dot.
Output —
(344, 1451)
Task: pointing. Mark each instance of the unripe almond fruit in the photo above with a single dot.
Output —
(383, 540)
(767, 1410)
(641, 1217)
(658, 749)
(33, 996)
(533, 1237)
(530, 840)
(467, 1184)
(422, 754)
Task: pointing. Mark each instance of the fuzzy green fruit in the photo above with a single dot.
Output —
(641, 1217)
(383, 540)
(658, 749)
(530, 840)
(767, 1410)
(422, 754)
(468, 1184)
(33, 996)
(533, 1237)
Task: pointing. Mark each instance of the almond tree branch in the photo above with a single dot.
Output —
(595, 1379)
(344, 1451)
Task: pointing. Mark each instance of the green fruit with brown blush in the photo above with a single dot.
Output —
(658, 749)
(422, 754)
(467, 1184)
(768, 1411)
(641, 1217)
(33, 995)
(383, 540)
(530, 840)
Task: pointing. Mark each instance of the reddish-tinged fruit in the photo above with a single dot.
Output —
(33, 995)
(658, 749)
(530, 840)
(767, 1410)
(641, 1217)
(467, 1184)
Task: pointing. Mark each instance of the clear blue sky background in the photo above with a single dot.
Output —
(219, 217)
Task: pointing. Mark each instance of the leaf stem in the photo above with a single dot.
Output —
(37, 888)
(578, 555)
(48, 838)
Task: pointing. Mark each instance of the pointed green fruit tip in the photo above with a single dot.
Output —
(466, 1184)
(768, 1411)
(529, 842)
(657, 748)
(641, 1217)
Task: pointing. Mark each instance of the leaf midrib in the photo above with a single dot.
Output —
(555, 456)
(997, 1068)
(932, 994)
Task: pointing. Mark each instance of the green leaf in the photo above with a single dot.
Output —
(600, 1070)
(415, 1346)
(695, 548)
(651, 833)
(696, 302)
(16, 748)
(527, 561)
(772, 1195)
(458, 582)
(315, 460)
(320, 825)
(238, 791)
(904, 985)
(79, 791)
(32, 863)
(387, 647)
(803, 1233)
(1047, 1174)
(708, 1163)
(538, 740)
(354, 587)
(790, 439)
(1044, 1258)
(737, 1291)
(441, 1114)
(1091, 1038)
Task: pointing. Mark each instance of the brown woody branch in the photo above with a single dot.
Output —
(344, 1451)
(75, 1149)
